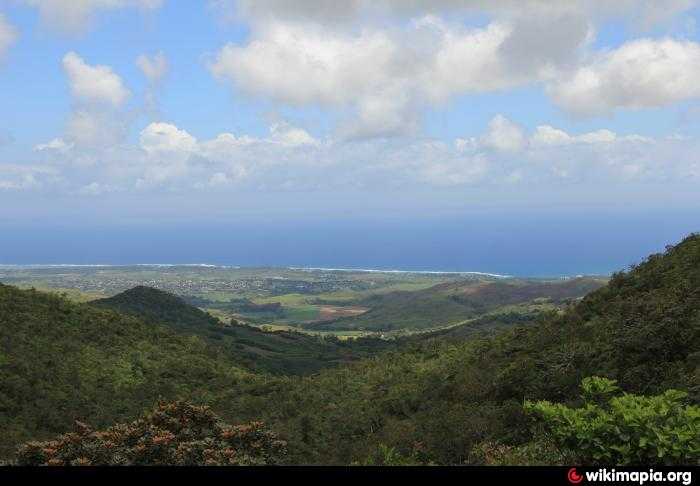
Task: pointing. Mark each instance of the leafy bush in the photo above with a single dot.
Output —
(623, 428)
(173, 434)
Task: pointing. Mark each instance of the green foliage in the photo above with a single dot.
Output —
(541, 452)
(624, 429)
(451, 303)
(280, 352)
(389, 456)
(643, 330)
(64, 361)
(178, 434)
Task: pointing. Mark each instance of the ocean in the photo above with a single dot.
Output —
(552, 244)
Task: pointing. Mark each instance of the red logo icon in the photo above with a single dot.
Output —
(574, 476)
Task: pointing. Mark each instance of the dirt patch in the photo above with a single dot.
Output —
(332, 312)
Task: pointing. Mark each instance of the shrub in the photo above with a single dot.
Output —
(389, 456)
(173, 434)
(621, 428)
(538, 453)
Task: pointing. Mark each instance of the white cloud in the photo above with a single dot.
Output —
(643, 73)
(503, 135)
(425, 62)
(548, 136)
(645, 13)
(16, 177)
(290, 136)
(76, 15)
(94, 84)
(164, 137)
(95, 128)
(8, 35)
(224, 145)
(154, 67)
(57, 144)
(426, 56)
(169, 158)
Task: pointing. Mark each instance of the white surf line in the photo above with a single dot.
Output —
(207, 265)
(374, 270)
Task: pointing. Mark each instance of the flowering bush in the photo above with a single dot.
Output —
(179, 434)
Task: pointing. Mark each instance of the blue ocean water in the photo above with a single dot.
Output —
(543, 244)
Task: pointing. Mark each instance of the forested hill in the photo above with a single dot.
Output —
(438, 401)
(280, 352)
(153, 305)
(454, 302)
(61, 361)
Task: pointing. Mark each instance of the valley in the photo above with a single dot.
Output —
(342, 303)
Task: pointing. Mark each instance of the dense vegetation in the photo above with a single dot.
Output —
(434, 400)
(61, 361)
(280, 352)
(454, 302)
(614, 428)
(439, 402)
(179, 434)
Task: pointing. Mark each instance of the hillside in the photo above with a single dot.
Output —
(454, 302)
(153, 305)
(436, 401)
(440, 399)
(280, 352)
(61, 361)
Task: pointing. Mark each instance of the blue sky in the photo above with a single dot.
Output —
(220, 112)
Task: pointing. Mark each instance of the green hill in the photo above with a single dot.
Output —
(279, 352)
(454, 302)
(61, 361)
(153, 305)
(437, 401)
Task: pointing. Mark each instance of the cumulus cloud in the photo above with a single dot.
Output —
(98, 119)
(427, 62)
(291, 136)
(643, 73)
(645, 13)
(164, 137)
(503, 135)
(75, 16)
(168, 157)
(8, 35)
(94, 83)
(172, 153)
(427, 56)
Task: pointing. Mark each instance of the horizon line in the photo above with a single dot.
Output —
(286, 267)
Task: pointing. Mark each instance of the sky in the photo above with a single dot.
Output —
(411, 133)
